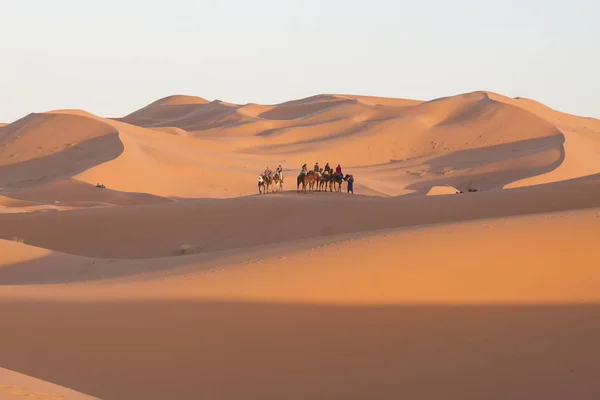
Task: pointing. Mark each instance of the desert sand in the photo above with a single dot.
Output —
(179, 281)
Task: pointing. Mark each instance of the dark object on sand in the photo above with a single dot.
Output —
(100, 186)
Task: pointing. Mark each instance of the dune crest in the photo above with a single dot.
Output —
(179, 99)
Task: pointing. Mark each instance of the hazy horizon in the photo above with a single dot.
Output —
(113, 58)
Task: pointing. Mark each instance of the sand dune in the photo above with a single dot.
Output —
(159, 230)
(481, 140)
(45, 147)
(381, 308)
(178, 281)
(392, 266)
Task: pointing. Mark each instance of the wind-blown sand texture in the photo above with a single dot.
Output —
(179, 281)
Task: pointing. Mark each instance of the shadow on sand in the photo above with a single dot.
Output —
(215, 350)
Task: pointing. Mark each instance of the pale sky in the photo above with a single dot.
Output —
(111, 57)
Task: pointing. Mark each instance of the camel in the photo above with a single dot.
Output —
(309, 180)
(278, 179)
(338, 179)
(267, 181)
(325, 180)
(306, 179)
(317, 181)
(300, 180)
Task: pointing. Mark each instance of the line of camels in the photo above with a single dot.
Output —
(311, 180)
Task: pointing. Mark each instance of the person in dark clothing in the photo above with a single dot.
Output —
(327, 168)
(351, 184)
(316, 169)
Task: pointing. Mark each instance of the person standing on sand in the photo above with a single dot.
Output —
(260, 184)
(351, 184)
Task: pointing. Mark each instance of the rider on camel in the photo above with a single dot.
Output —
(304, 169)
(279, 170)
(268, 172)
(338, 170)
(316, 167)
(327, 168)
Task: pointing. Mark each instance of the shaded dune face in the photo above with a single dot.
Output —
(258, 351)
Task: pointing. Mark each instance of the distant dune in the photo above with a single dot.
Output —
(477, 140)
(137, 259)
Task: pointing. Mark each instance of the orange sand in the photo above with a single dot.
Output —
(179, 281)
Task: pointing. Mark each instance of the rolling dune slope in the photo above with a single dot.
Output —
(502, 301)
(159, 230)
(392, 266)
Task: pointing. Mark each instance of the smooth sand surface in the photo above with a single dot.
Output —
(177, 281)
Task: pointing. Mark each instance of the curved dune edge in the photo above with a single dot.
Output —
(582, 157)
(581, 147)
(14, 385)
(535, 265)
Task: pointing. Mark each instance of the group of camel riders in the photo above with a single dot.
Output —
(317, 172)
(269, 177)
(320, 170)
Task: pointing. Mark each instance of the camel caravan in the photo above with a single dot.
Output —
(318, 179)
